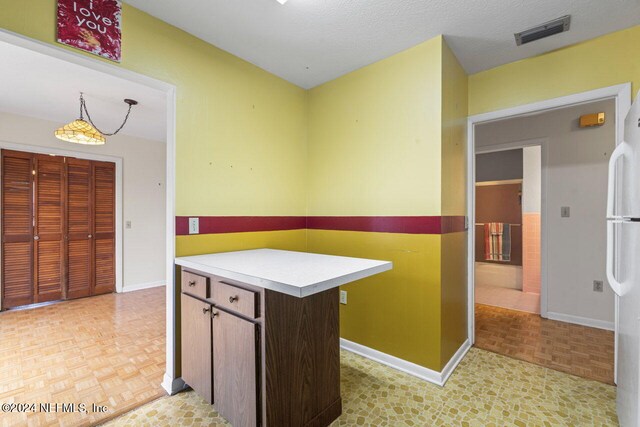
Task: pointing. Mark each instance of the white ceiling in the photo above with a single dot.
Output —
(36, 85)
(309, 42)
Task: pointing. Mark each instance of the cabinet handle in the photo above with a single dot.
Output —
(192, 283)
(232, 299)
(36, 237)
(89, 236)
(214, 314)
(205, 310)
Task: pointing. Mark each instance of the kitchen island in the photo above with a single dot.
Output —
(260, 333)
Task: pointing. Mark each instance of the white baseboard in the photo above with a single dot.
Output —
(140, 286)
(455, 360)
(584, 321)
(435, 377)
(172, 386)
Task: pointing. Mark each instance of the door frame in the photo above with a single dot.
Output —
(171, 382)
(6, 145)
(620, 93)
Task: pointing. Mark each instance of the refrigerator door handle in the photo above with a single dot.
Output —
(611, 277)
(620, 151)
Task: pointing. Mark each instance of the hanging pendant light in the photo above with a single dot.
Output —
(85, 132)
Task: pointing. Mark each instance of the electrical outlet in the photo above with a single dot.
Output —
(565, 212)
(598, 286)
(194, 225)
(128, 224)
(343, 297)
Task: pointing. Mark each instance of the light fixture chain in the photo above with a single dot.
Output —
(83, 106)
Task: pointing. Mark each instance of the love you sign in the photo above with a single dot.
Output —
(91, 25)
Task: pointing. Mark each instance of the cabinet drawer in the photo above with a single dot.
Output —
(236, 299)
(195, 285)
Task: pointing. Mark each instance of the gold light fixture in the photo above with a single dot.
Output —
(82, 132)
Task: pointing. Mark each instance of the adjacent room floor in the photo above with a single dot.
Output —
(513, 299)
(578, 350)
(485, 390)
(108, 350)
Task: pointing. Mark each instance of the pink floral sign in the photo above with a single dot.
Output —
(91, 25)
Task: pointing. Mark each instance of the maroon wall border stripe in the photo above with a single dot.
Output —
(378, 224)
(239, 224)
(452, 224)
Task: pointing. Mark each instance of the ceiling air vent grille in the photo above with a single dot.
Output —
(547, 29)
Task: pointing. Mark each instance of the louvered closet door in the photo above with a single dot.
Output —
(17, 229)
(104, 178)
(49, 230)
(79, 228)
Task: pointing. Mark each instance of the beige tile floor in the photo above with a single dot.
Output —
(486, 390)
(507, 298)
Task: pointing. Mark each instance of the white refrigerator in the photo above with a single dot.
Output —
(623, 263)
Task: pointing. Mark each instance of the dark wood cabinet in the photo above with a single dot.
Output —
(197, 365)
(274, 358)
(58, 228)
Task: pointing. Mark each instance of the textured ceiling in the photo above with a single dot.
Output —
(309, 42)
(41, 86)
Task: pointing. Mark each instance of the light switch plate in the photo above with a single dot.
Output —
(194, 225)
(343, 297)
(565, 211)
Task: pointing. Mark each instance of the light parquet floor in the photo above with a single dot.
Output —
(105, 350)
(578, 350)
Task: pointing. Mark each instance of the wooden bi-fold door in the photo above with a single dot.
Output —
(49, 229)
(58, 228)
(79, 228)
(104, 230)
(17, 229)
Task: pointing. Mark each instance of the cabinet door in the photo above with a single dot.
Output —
(235, 362)
(196, 346)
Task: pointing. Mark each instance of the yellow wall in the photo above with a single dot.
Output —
(241, 132)
(374, 138)
(453, 259)
(292, 240)
(380, 139)
(605, 61)
(396, 312)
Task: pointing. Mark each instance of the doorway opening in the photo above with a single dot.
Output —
(507, 227)
(569, 323)
(116, 349)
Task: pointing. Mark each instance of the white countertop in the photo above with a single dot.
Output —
(294, 273)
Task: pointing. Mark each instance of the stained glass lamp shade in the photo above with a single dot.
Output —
(80, 132)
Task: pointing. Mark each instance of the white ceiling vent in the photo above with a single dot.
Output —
(547, 29)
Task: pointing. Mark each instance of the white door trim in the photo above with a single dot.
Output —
(171, 383)
(620, 93)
